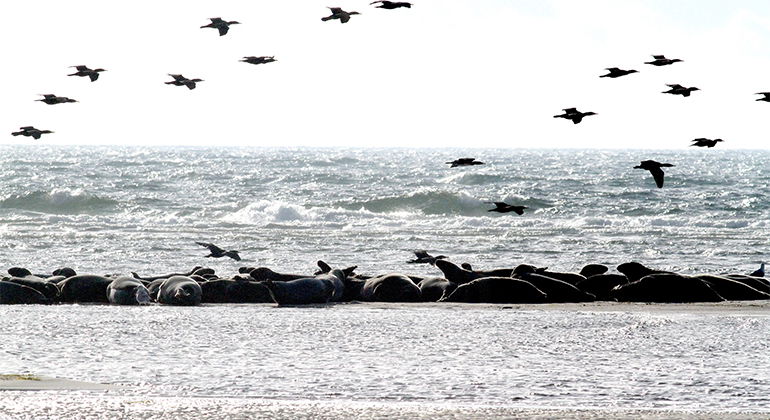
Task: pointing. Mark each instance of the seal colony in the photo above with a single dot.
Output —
(521, 284)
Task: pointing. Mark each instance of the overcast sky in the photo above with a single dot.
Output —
(459, 73)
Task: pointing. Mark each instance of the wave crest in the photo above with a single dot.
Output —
(59, 201)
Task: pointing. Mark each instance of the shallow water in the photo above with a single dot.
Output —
(596, 356)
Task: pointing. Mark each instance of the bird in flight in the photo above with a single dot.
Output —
(338, 13)
(661, 60)
(217, 252)
(680, 90)
(464, 162)
(574, 115)
(84, 71)
(701, 142)
(765, 98)
(30, 131)
(259, 60)
(654, 168)
(616, 72)
(502, 207)
(52, 99)
(424, 258)
(221, 25)
(384, 4)
(180, 80)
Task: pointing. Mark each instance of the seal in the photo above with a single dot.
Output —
(593, 270)
(432, 289)
(49, 290)
(127, 291)
(180, 291)
(234, 291)
(758, 283)
(600, 285)
(666, 288)
(459, 275)
(390, 288)
(571, 278)
(265, 274)
(556, 291)
(84, 288)
(165, 276)
(731, 289)
(318, 289)
(635, 271)
(19, 294)
(496, 290)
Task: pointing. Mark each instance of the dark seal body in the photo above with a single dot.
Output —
(19, 294)
(127, 291)
(732, 289)
(180, 291)
(319, 289)
(600, 285)
(556, 291)
(49, 290)
(84, 288)
(496, 290)
(390, 288)
(666, 288)
(232, 291)
(432, 289)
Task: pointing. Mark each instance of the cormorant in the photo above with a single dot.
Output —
(616, 72)
(661, 60)
(701, 142)
(391, 4)
(760, 272)
(30, 131)
(766, 98)
(502, 207)
(654, 168)
(52, 99)
(424, 258)
(338, 13)
(85, 71)
(217, 252)
(680, 90)
(464, 162)
(259, 60)
(180, 80)
(220, 24)
(574, 115)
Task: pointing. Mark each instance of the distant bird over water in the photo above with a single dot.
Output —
(384, 4)
(701, 142)
(338, 13)
(760, 272)
(502, 207)
(52, 99)
(654, 168)
(464, 162)
(616, 72)
(180, 80)
(30, 131)
(574, 115)
(220, 25)
(661, 60)
(217, 252)
(84, 71)
(680, 90)
(766, 97)
(424, 258)
(259, 60)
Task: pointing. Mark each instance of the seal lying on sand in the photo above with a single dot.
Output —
(390, 288)
(731, 289)
(496, 290)
(127, 291)
(432, 289)
(234, 291)
(459, 275)
(666, 288)
(318, 289)
(49, 290)
(571, 278)
(18, 294)
(556, 291)
(84, 288)
(601, 284)
(635, 271)
(181, 291)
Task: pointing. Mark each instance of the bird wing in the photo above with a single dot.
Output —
(519, 210)
(500, 204)
(421, 254)
(216, 20)
(344, 18)
(378, 1)
(335, 10)
(213, 248)
(29, 127)
(36, 135)
(659, 57)
(223, 29)
(657, 174)
(82, 68)
(675, 86)
(178, 77)
(570, 110)
(613, 69)
(93, 76)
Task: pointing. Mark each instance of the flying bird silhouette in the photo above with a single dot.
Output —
(30, 131)
(84, 71)
(701, 142)
(654, 168)
(217, 252)
(52, 99)
(384, 4)
(338, 13)
(574, 115)
(616, 72)
(180, 80)
(424, 258)
(220, 25)
(661, 60)
(464, 162)
(680, 90)
(502, 207)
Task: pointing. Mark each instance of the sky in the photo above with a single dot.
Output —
(445, 73)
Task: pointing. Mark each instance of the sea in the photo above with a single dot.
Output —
(115, 210)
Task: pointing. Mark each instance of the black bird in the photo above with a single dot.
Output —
(701, 142)
(574, 115)
(464, 162)
(766, 98)
(30, 131)
(259, 60)
(180, 80)
(661, 60)
(84, 71)
(424, 258)
(221, 25)
(217, 252)
(502, 207)
(52, 99)
(616, 72)
(680, 90)
(760, 272)
(338, 13)
(654, 168)
(392, 4)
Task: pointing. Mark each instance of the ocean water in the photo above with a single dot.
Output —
(120, 209)
(115, 210)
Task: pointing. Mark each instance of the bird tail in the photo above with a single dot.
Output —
(16, 133)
